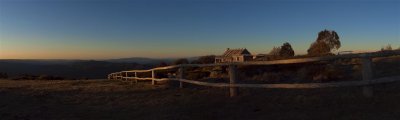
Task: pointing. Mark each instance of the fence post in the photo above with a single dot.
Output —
(181, 76)
(126, 76)
(117, 76)
(120, 76)
(153, 76)
(232, 80)
(367, 76)
(136, 80)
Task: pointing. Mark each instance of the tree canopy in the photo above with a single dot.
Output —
(286, 50)
(275, 51)
(387, 47)
(327, 41)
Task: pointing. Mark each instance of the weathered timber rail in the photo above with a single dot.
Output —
(366, 74)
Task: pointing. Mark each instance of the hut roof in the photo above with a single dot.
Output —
(233, 52)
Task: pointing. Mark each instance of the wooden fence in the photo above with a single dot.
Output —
(233, 86)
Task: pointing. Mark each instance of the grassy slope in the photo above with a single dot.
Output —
(100, 99)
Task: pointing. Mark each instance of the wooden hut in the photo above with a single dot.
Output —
(234, 55)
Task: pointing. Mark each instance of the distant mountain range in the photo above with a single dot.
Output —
(141, 60)
(75, 69)
(69, 69)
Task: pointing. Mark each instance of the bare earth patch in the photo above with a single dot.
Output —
(103, 99)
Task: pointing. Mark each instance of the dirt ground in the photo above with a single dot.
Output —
(104, 99)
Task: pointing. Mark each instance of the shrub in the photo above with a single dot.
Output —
(181, 61)
(25, 77)
(44, 77)
(49, 77)
(196, 75)
(320, 73)
(162, 64)
(3, 75)
(218, 72)
(209, 59)
(270, 77)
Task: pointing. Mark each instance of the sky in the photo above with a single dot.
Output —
(106, 29)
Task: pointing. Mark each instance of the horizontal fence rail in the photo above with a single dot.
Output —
(289, 85)
(366, 72)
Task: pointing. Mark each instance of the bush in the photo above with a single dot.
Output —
(45, 77)
(35, 77)
(25, 77)
(270, 77)
(181, 61)
(162, 64)
(209, 59)
(321, 73)
(49, 77)
(3, 75)
(197, 75)
(296, 73)
(218, 72)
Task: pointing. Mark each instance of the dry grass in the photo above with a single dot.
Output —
(101, 99)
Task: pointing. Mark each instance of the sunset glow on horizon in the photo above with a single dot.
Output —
(106, 29)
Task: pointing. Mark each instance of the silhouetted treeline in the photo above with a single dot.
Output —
(36, 77)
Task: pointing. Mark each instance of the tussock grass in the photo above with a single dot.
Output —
(103, 99)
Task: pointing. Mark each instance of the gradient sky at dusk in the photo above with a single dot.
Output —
(90, 29)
